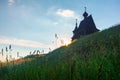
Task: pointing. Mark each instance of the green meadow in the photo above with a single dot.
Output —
(93, 57)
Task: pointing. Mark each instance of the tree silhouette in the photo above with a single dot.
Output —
(38, 51)
(30, 52)
(6, 49)
(49, 49)
(34, 51)
(10, 47)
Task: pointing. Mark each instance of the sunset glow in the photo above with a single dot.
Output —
(67, 43)
(30, 25)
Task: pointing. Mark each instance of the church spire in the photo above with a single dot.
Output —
(85, 14)
(75, 27)
(76, 22)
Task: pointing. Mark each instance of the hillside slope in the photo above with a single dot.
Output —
(94, 57)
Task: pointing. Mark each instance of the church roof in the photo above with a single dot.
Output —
(86, 27)
(87, 23)
(76, 28)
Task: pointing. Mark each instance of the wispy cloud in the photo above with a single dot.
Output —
(11, 2)
(22, 42)
(65, 13)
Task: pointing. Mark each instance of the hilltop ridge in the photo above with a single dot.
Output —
(93, 57)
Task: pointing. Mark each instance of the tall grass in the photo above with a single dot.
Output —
(94, 57)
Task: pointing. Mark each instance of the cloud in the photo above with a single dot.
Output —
(65, 13)
(22, 42)
(11, 2)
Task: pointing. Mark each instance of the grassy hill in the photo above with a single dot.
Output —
(94, 57)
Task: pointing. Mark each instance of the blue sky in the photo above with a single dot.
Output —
(32, 24)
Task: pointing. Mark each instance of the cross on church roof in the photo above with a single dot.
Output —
(85, 8)
(85, 14)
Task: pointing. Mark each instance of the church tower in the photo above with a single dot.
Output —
(85, 14)
(86, 27)
(75, 30)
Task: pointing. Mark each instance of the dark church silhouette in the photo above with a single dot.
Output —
(86, 27)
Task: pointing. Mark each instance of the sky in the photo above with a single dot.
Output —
(30, 25)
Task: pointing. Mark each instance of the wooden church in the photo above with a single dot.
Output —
(86, 27)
